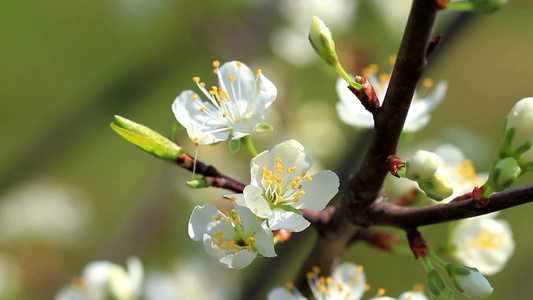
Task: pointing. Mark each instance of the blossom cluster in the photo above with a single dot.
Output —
(281, 184)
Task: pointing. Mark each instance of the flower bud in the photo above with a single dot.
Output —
(322, 41)
(437, 286)
(436, 187)
(146, 139)
(469, 281)
(520, 124)
(487, 6)
(503, 174)
(422, 165)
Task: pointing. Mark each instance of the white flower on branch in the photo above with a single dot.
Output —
(234, 238)
(281, 186)
(106, 280)
(354, 114)
(234, 108)
(483, 242)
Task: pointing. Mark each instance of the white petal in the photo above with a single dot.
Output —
(135, 274)
(265, 95)
(264, 242)
(241, 91)
(349, 275)
(318, 192)
(246, 127)
(212, 249)
(292, 154)
(239, 199)
(280, 293)
(255, 201)
(350, 109)
(202, 221)
(413, 296)
(238, 260)
(256, 165)
(288, 220)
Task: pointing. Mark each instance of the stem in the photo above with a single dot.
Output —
(426, 263)
(346, 77)
(437, 259)
(247, 141)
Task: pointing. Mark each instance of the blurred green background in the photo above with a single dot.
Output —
(68, 67)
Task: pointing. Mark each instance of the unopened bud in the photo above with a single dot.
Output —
(436, 187)
(422, 165)
(519, 127)
(437, 286)
(322, 41)
(469, 281)
(503, 174)
(146, 139)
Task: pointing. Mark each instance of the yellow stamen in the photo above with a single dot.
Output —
(195, 97)
(278, 159)
(216, 63)
(257, 72)
(308, 178)
(310, 275)
(232, 78)
(203, 108)
(428, 82)
(296, 199)
(232, 198)
(381, 292)
(218, 218)
(202, 84)
(367, 287)
(489, 240)
(316, 269)
(383, 77)
(228, 219)
(196, 79)
(224, 211)
(360, 269)
(392, 59)
(418, 287)
(250, 239)
(329, 280)
(238, 63)
(225, 114)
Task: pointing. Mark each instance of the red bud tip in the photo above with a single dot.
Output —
(395, 163)
(367, 95)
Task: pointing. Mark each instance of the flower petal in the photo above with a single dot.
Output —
(212, 249)
(280, 293)
(265, 95)
(246, 127)
(202, 221)
(350, 276)
(318, 192)
(293, 155)
(240, 91)
(264, 242)
(255, 201)
(288, 220)
(238, 260)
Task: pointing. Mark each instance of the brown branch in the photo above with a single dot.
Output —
(365, 186)
(212, 176)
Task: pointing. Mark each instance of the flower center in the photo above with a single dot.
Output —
(236, 240)
(328, 288)
(283, 185)
(489, 240)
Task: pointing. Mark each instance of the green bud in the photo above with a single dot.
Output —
(437, 286)
(422, 165)
(197, 183)
(469, 281)
(322, 41)
(146, 139)
(436, 187)
(503, 174)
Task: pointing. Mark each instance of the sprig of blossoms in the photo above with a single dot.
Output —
(234, 238)
(281, 186)
(233, 109)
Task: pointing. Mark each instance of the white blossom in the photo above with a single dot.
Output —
(483, 242)
(469, 281)
(458, 170)
(233, 109)
(422, 165)
(234, 238)
(102, 280)
(352, 112)
(347, 282)
(281, 186)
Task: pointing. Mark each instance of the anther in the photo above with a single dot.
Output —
(278, 159)
(228, 219)
(257, 72)
(195, 97)
(238, 63)
(218, 218)
(232, 78)
(216, 63)
(392, 59)
(308, 178)
(250, 239)
(202, 84)
(203, 108)
(232, 198)
(196, 79)
(427, 82)
(225, 114)
(304, 173)
(381, 292)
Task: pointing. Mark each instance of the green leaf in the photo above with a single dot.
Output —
(234, 145)
(146, 139)
(265, 128)
(197, 183)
